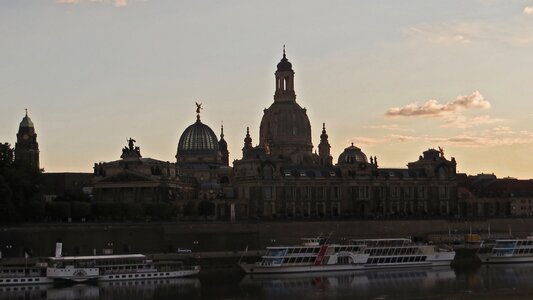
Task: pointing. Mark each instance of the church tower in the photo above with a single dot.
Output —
(27, 148)
(285, 128)
(247, 143)
(324, 148)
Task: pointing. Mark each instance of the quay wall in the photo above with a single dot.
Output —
(88, 238)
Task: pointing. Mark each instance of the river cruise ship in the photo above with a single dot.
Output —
(507, 251)
(402, 253)
(114, 267)
(314, 255)
(94, 268)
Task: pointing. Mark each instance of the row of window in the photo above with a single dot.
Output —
(20, 280)
(393, 260)
(361, 192)
(138, 275)
(289, 260)
(392, 251)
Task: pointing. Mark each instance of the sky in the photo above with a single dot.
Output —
(393, 77)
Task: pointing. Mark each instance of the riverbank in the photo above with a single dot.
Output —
(119, 238)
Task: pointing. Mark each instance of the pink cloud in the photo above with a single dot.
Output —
(117, 3)
(463, 122)
(432, 108)
(498, 136)
(392, 127)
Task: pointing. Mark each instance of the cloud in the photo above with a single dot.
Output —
(444, 33)
(528, 10)
(121, 3)
(117, 3)
(432, 108)
(498, 136)
(401, 138)
(463, 122)
(392, 127)
(366, 141)
(448, 34)
(493, 139)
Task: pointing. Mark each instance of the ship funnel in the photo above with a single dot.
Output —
(59, 249)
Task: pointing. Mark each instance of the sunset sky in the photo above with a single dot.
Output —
(394, 77)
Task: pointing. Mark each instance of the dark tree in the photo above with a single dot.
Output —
(6, 156)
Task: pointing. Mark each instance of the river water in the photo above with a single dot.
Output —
(484, 282)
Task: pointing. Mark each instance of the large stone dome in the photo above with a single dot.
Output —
(286, 125)
(198, 140)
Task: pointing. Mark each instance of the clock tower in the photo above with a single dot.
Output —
(27, 148)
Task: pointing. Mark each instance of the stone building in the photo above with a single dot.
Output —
(282, 178)
(485, 195)
(137, 179)
(204, 159)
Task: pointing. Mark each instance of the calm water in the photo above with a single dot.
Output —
(485, 282)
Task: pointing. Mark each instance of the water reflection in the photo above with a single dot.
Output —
(485, 282)
(138, 289)
(363, 284)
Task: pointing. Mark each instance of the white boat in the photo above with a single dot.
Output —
(402, 253)
(507, 251)
(114, 267)
(314, 255)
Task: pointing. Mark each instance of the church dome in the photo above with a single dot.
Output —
(198, 139)
(352, 155)
(285, 124)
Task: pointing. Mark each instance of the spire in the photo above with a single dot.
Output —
(324, 148)
(223, 146)
(324, 135)
(284, 51)
(247, 143)
(247, 139)
(26, 111)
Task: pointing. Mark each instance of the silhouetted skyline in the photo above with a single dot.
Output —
(394, 78)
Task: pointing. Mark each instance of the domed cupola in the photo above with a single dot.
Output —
(352, 155)
(198, 143)
(284, 64)
(285, 127)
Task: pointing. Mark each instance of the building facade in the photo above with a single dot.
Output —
(282, 178)
(137, 179)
